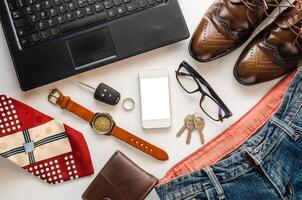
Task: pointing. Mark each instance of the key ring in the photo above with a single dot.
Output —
(197, 114)
(128, 104)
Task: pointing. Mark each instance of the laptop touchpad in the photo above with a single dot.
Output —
(91, 48)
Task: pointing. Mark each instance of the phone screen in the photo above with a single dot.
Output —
(155, 98)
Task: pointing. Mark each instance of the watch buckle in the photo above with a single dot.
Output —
(54, 95)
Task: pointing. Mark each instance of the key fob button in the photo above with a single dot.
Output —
(106, 94)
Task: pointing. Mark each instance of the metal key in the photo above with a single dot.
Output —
(180, 132)
(199, 124)
(189, 125)
(188, 119)
(190, 128)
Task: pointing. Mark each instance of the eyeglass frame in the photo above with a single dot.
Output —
(213, 96)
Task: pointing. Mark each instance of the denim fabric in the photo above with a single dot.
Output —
(268, 166)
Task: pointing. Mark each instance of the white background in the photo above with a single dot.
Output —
(16, 184)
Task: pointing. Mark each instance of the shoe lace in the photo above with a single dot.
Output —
(251, 5)
(297, 30)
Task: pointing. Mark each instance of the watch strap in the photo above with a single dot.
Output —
(139, 143)
(65, 102)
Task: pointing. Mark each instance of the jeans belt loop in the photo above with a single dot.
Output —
(217, 186)
(286, 128)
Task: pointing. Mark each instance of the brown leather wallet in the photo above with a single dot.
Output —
(120, 179)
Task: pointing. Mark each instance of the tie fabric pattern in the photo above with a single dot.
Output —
(50, 150)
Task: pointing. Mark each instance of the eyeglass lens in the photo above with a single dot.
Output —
(208, 105)
(211, 108)
(186, 80)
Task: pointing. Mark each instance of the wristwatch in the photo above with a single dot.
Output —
(103, 124)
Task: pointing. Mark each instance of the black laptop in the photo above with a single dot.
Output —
(53, 39)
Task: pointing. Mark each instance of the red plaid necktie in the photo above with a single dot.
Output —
(50, 150)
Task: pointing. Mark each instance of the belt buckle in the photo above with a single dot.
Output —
(53, 96)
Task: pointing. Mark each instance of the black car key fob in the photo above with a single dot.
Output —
(105, 94)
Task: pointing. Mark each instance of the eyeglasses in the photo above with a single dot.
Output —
(192, 82)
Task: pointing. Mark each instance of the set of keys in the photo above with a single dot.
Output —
(192, 123)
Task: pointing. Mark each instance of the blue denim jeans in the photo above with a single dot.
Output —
(268, 166)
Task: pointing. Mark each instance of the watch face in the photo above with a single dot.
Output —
(102, 123)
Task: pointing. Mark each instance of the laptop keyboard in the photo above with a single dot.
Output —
(37, 21)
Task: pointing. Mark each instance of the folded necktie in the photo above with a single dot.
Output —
(50, 150)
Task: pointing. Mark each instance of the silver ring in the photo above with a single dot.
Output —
(128, 104)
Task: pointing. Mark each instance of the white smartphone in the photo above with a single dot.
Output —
(155, 99)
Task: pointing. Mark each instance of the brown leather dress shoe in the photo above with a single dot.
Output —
(226, 25)
(274, 52)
